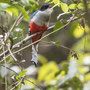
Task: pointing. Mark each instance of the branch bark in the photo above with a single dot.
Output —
(11, 53)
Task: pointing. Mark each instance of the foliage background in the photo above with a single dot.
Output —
(58, 67)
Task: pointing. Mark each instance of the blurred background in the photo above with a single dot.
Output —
(64, 57)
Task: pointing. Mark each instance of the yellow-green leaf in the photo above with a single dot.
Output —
(64, 7)
(47, 73)
(72, 6)
(81, 6)
(58, 25)
(78, 32)
(42, 59)
(73, 26)
(24, 12)
(12, 10)
(22, 73)
(4, 1)
(55, 1)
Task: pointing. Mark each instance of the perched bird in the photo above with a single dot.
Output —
(39, 22)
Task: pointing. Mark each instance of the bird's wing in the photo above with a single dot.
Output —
(33, 14)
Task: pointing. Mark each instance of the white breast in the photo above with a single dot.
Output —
(42, 17)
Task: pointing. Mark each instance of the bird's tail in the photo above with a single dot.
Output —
(34, 54)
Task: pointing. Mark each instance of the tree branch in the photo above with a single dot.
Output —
(5, 64)
(11, 53)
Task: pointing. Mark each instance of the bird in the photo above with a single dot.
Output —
(39, 22)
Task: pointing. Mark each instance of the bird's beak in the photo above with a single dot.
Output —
(50, 7)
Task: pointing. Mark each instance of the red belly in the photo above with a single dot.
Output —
(35, 28)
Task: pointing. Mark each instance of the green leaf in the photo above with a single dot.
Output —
(42, 59)
(64, 7)
(81, 6)
(12, 10)
(78, 32)
(55, 1)
(11, 62)
(22, 73)
(58, 25)
(72, 70)
(72, 6)
(47, 72)
(3, 6)
(64, 68)
(74, 25)
(57, 43)
(24, 12)
(7, 59)
(4, 1)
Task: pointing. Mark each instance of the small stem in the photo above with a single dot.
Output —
(5, 69)
(17, 84)
(8, 68)
(11, 54)
(33, 83)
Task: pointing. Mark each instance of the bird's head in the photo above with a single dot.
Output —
(45, 7)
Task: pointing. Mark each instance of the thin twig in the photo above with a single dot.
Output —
(8, 68)
(12, 54)
(5, 69)
(17, 84)
(59, 45)
(2, 54)
(12, 85)
(33, 83)
(1, 48)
